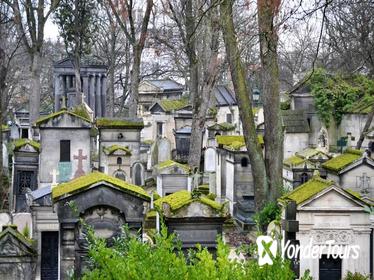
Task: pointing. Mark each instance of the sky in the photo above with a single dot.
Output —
(50, 30)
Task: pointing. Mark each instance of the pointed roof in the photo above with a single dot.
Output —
(171, 163)
(23, 142)
(224, 96)
(95, 179)
(60, 113)
(119, 123)
(310, 152)
(25, 244)
(113, 148)
(166, 84)
(339, 162)
(224, 126)
(169, 105)
(234, 142)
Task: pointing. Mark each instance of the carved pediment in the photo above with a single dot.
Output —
(13, 244)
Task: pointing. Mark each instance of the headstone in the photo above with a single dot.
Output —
(323, 141)
(138, 174)
(54, 174)
(164, 150)
(4, 220)
(80, 157)
(210, 160)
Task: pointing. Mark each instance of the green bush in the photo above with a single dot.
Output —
(356, 276)
(130, 258)
(270, 212)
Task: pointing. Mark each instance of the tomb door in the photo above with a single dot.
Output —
(330, 268)
(25, 181)
(49, 258)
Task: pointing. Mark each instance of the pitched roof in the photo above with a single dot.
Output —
(113, 148)
(307, 190)
(341, 161)
(166, 84)
(183, 198)
(308, 153)
(224, 96)
(58, 114)
(224, 126)
(119, 123)
(293, 161)
(295, 121)
(170, 163)
(12, 230)
(235, 142)
(19, 143)
(169, 105)
(94, 178)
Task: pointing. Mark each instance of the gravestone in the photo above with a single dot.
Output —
(4, 220)
(164, 150)
(138, 174)
(210, 160)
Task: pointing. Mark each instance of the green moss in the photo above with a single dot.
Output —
(212, 112)
(308, 152)
(13, 230)
(183, 198)
(307, 190)
(111, 149)
(93, 178)
(19, 143)
(338, 163)
(45, 119)
(81, 110)
(234, 142)
(117, 123)
(148, 142)
(225, 126)
(355, 194)
(293, 161)
(4, 127)
(169, 105)
(171, 163)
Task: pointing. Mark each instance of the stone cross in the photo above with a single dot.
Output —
(80, 157)
(364, 181)
(54, 174)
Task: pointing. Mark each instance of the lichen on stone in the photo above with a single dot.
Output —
(341, 161)
(118, 123)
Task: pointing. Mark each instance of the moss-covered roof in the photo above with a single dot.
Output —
(183, 198)
(308, 152)
(225, 126)
(339, 162)
(307, 190)
(19, 143)
(85, 181)
(234, 142)
(293, 161)
(118, 123)
(171, 163)
(169, 105)
(57, 114)
(81, 110)
(113, 148)
(12, 229)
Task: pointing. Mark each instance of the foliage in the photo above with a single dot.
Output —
(270, 212)
(129, 258)
(306, 275)
(334, 94)
(77, 23)
(285, 105)
(26, 231)
(356, 276)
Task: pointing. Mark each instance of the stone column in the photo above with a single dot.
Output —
(85, 88)
(67, 249)
(57, 92)
(98, 96)
(103, 96)
(92, 92)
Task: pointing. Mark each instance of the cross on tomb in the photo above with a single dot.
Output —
(54, 174)
(364, 181)
(80, 157)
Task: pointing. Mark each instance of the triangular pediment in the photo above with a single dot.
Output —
(333, 198)
(63, 119)
(147, 87)
(28, 149)
(13, 244)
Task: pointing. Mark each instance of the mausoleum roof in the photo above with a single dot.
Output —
(59, 113)
(224, 126)
(12, 230)
(307, 190)
(170, 163)
(19, 143)
(113, 148)
(119, 123)
(341, 161)
(169, 105)
(183, 198)
(235, 142)
(309, 152)
(166, 84)
(293, 161)
(93, 178)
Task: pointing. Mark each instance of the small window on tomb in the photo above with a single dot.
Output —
(229, 118)
(304, 178)
(159, 129)
(119, 160)
(244, 162)
(64, 150)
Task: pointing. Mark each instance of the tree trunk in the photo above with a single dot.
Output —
(366, 128)
(112, 60)
(270, 93)
(34, 102)
(135, 74)
(3, 74)
(78, 82)
(243, 95)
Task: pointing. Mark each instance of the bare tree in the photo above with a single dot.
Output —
(124, 11)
